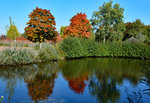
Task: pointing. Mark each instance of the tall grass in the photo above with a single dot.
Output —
(16, 56)
(12, 56)
(16, 43)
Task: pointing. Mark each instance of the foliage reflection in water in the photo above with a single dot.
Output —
(99, 80)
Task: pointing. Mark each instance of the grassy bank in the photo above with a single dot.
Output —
(73, 48)
(34, 54)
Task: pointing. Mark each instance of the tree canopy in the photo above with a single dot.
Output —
(138, 30)
(107, 22)
(41, 26)
(62, 30)
(79, 26)
(12, 31)
(147, 33)
(134, 28)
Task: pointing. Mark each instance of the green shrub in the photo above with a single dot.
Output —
(128, 49)
(5, 43)
(73, 47)
(60, 52)
(50, 52)
(36, 46)
(92, 47)
(79, 47)
(13, 56)
(103, 49)
(26, 45)
(114, 49)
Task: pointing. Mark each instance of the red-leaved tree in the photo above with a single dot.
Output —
(79, 26)
(41, 26)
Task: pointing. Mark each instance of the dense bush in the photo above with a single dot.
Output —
(79, 47)
(135, 50)
(13, 56)
(91, 47)
(50, 52)
(73, 47)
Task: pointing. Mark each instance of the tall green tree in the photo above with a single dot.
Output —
(136, 29)
(133, 29)
(108, 22)
(12, 31)
(62, 30)
(147, 33)
(117, 32)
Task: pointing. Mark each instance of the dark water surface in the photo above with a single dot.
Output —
(90, 80)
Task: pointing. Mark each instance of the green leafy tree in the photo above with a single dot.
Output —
(137, 28)
(62, 30)
(23, 34)
(107, 21)
(147, 33)
(12, 31)
(117, 32)
(134, 29)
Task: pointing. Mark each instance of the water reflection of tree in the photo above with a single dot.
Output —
(41, 84)
(137, 96)
(134, 97)
(78, 84)
(76, 68)
(77, 73)
(104, 89)
(11, 75)
(41, 76)
(146, 79)
(41, 87)
(105, 74)
(119, 69)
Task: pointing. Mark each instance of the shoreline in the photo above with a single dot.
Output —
(118, 57)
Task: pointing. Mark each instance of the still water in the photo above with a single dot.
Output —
(90, 80)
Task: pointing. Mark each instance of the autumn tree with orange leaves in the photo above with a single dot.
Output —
(41, 26)
(79, 26)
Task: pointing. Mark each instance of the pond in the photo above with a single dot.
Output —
(88, 80)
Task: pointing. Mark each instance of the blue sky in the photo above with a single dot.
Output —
(63, 10)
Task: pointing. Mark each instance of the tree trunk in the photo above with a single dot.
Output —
(104, 39)
(13, 44)
(40, 45)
